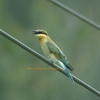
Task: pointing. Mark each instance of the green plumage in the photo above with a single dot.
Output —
(58, 54)
(53, 52)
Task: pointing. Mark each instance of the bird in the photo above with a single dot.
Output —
(53, 52)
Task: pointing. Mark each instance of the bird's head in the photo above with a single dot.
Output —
(40, 34)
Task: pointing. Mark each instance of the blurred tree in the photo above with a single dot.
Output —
(79, 41)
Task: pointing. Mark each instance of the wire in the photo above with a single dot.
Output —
(28, 49)
(75, 14)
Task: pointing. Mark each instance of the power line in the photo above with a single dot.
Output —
(28, 49)
(62, 6)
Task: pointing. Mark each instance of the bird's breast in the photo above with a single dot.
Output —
(45, 49)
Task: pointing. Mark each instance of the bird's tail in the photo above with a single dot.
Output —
(66, 70)
(69, 75)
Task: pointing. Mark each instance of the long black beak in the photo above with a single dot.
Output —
(33, 31)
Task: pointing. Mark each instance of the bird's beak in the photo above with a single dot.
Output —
(33, 31)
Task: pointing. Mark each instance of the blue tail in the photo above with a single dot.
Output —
(69, 75)
(66, 70)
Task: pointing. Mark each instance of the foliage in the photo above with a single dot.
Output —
(78, 40)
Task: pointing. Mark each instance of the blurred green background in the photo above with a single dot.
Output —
(78, 40)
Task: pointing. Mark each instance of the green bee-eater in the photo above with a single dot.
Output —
(52, 51)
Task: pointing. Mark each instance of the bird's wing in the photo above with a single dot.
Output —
(54, 50)
(58, 54)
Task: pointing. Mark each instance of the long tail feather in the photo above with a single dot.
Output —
(69, 75)
(66, 70)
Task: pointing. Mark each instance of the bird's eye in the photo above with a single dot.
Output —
(42, 33)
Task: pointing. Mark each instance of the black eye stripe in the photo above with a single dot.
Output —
(41, 33)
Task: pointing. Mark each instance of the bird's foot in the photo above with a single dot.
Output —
(51, 60)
